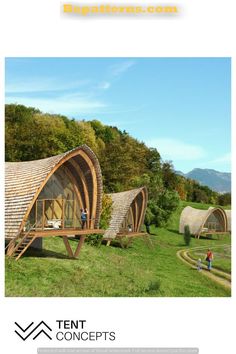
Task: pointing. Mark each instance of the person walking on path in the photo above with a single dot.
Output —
(209, 258)
(199, 264)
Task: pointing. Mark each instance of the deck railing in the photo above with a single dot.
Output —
(60, 214)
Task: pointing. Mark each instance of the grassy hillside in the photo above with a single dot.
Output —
(113, 271)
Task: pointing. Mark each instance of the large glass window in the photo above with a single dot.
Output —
(57, 206)
(215, 222)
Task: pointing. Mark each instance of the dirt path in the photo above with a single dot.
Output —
(216, 275)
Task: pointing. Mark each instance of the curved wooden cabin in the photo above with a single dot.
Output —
(128, 212)
(203, 222)
(45, 197)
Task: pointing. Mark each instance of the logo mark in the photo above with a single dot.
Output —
(41, 328)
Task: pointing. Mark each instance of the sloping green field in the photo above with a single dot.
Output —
(113, 271)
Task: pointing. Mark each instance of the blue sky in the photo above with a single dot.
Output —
(181, 106)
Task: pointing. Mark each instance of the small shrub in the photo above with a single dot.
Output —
(106, 211)
(187, 235)
(153, 286)
(94, 239)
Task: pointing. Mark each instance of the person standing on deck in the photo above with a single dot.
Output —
(84, 215)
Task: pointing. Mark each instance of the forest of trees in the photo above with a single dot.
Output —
(126, 163)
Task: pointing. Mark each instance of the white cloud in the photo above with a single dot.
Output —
(226, 158)
(176, 150)
(104, 85)
(73, 104)
(42, 84)
(120, 68)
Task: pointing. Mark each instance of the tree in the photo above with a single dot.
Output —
(224, 199)
(187, 235)
(170, 178)
(181, 187)
(160, 209)
(200, 196)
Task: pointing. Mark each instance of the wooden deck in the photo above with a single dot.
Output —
(17, 247)
(212, 232)
(64, 232)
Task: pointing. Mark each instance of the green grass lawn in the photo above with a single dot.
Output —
(113, 271)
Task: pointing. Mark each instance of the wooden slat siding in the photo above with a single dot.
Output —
(25, 180)
(121, 203)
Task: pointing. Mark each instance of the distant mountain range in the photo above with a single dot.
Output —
(217, 181)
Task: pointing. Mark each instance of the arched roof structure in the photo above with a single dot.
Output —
(133, 202)
(25, 180)
(228, 214)
(196, 219)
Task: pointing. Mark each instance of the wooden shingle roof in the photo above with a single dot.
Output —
(25, 180)
(121, 203)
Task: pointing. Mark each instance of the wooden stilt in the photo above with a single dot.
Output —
(68, 247)
(80, 244)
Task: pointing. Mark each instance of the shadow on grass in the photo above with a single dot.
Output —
(115, 244)
(45, 254)
(183, 245)
(74, 239)
(174, 231)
